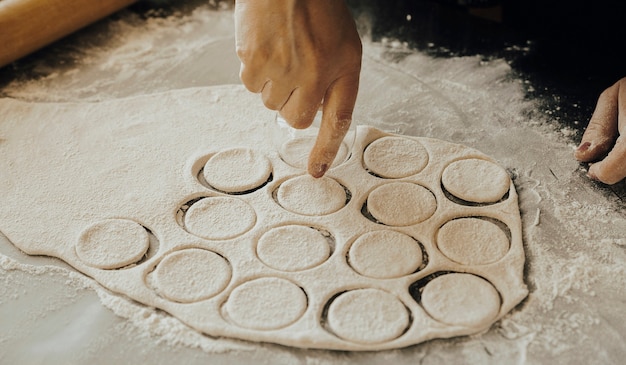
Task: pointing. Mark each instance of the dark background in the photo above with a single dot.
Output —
(570, 51)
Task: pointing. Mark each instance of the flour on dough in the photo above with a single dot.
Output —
(237, 170)
(370, 257)
(476, 180)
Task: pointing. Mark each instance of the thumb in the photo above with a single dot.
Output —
(336, 118)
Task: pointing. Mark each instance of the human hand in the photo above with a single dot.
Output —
(300, 55)
(603, 140)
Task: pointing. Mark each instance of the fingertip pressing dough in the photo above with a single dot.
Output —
(353, 261)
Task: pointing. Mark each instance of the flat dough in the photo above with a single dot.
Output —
(310, 196)
(401, 204)
(118, 197)
(295, 152)
(385, 254)
(218, 218)
(293, 248)
(237, 170)
(191, 275)
(461, 300)
(472, 241)
(112, 244)
(368, 316)
(266, 304)
(395, 157)
(476, 180)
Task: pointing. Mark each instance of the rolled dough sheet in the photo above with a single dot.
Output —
(135, 167)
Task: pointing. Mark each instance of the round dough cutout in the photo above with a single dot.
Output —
(237, 170)
(266, 304)
(401, 204)
(472, 241)
(191, 275)
(295, 152)
(309, 196)
(112, 244)
(293, 248)
(216, 218)
(461, 299)
(385, 254)
(476, 180)
(368, 316)
(395, 157)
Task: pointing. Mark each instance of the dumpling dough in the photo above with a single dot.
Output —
(395, 157)
(461, 299)
(112, 244)
(472, 241)
(237, 170)
(191, 275)
(307, 195)
(215, 218)
(367, 316)
(401, 204)
(385, 254)
(293, 248)
(476, 180)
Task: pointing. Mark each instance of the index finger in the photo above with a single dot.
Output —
(336, 118)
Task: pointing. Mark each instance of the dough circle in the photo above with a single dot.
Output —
(367, 316)
(461, 299)
(266, 304)
(472, 241)
(295, 152)
(476, 180)
(219, 218)
(309, 196)
(191, 275)
(112, 244)
(401, 204)
(385, 254)
(293, 248)
(395, 157)
(237, 170)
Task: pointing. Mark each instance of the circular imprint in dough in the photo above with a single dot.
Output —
(395, 157)
(307, 195)
(216, 218)
(368, 316)
(472, 241)
(476, 180)
(461, 299)
(237, 170)
(401, 204)
(112, 244)
(293, 248)
(295, 152)
(385, 254)
(191, 275)
(266, 304)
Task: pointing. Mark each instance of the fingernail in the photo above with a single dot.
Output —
(584, 147)
(320, 170)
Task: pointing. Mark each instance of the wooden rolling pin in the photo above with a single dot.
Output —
(28, 25)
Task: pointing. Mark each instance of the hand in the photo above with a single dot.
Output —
(302, 55)
(604, 140)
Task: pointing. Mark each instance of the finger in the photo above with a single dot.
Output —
(251, 79)
(302, 106)
(602, 129)
(275, 95)
(336, 118)
(612, 169)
